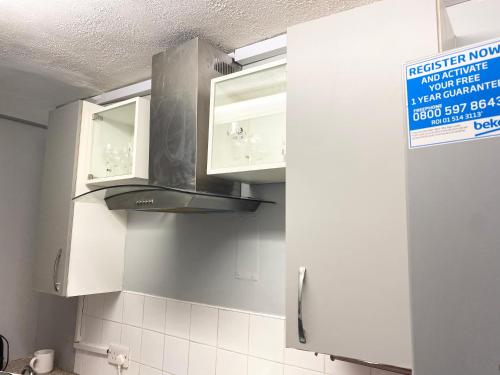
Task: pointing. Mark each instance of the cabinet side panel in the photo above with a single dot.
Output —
(346, 197)
(84, 147)
(56, 206)
(141, 146)
(454, 220)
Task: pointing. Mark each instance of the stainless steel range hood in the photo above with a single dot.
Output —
(180, 105)
(163, 199)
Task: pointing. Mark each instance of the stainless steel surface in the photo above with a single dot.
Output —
(223, 67)
(163, 199)
(302, 335)
(57, 261)
(379, 366)
(179, 201)
(180, 105)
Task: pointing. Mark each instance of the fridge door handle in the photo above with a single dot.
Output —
(302, 276)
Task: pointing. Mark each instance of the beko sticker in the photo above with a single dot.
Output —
(454, 97)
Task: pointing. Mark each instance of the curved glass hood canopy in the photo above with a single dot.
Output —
(164, 199)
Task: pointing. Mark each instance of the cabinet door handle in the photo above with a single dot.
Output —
(302, 276)
(57, 261)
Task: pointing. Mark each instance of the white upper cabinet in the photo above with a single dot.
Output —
(80, 244)
(247, 138)
(119, 144)
(346, 219)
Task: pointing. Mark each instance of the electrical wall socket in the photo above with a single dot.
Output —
(114, 351)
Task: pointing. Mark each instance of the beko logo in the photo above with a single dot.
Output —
(489, 126)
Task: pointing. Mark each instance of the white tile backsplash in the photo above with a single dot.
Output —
(178, 319)
(87, 363)
(133, 369)
(170, 337)
(93, 305)
(133, 309)
(380, 372)
(106, 368)
(304, 359)
(91, 329)
(176, 355)
(233, 331)
(345, 368)
(111, 332)
(132, 337)
(204, 324)
(267, 337)
(113, 307)
(146, 370)
(80, 362)
(202, 359)
(257, 366)
(230, 363)
(292, 370)
(154, 313)
(152, 345)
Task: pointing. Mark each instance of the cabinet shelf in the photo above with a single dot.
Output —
(257, 174)
(249, 109)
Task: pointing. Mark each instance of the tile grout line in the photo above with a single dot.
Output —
(165, 336)
(273, 316)
(217, 342)
(248, 343)
(283, 344)
(189, 336)
(142, 323)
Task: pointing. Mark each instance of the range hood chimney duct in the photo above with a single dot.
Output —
(180, 106)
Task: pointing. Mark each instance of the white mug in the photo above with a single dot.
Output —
(43, 361)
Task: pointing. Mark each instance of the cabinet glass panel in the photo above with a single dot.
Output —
(112, 142)
(249, 119)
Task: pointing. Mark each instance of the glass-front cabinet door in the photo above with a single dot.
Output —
(247, 140)
(119, 143)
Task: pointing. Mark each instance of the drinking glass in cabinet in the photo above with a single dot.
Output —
(248, 124)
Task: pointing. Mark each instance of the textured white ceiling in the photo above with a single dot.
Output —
(98, 45)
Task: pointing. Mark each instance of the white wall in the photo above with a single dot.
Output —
(29, 320)
(30, 95)
(196, 257)
(21, 157)
(56, 328)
